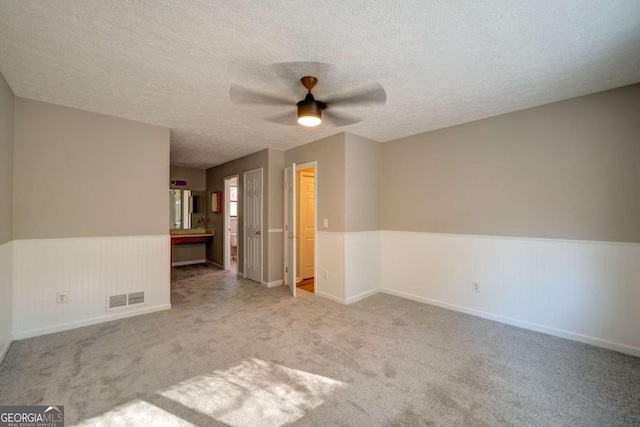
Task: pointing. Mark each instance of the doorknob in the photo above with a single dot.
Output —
(291, 236)
(258, 232)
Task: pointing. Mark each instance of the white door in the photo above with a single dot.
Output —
(290, 228)
(252, 212)
(306, 224)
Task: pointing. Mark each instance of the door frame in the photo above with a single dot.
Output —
(226, 240)
(299, 169)
(314, 166)
(244, 222)
(288, 221)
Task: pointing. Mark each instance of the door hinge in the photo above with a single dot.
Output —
(286, 269)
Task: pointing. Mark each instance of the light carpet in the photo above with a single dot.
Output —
(231, 352)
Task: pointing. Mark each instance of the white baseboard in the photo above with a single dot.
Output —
(273, 284)
(622, 348)
(195, 261)
(5, 350)
(215, 264)
(362, 296)
(73, 325)
(330, 297)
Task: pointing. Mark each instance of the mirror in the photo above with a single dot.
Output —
(186, 209)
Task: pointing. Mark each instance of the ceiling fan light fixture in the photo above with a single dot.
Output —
(310, 111)
(309, 121)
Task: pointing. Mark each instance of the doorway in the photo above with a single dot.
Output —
(305, 228)
(230, 210)
(300, 225)
(252, 225)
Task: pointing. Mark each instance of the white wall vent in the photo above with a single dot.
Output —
(136, 298)
(124, 300)
(116, 301)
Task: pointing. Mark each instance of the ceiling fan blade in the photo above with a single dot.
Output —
(335, 119)
(368, 95)
(243, 95)
(288, 118)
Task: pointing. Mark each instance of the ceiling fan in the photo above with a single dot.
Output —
(310, 111)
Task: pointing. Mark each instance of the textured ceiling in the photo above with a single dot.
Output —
(442, 62)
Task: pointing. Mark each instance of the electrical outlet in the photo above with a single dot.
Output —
(326, 274)
(475, 287)
(325, 223)
(61, 297)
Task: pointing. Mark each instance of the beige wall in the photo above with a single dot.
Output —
(6, 160)
(276, 215)
(568, 170)
(215, 182)
(330, 154)
(362, 184)
(82, 174)
(276, 189)
(196, 178)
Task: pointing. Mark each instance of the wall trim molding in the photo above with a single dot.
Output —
(195, 261)
(330, 297)
(349, 233)
(333, 233)
(87, 322)
(622, 348)
(518, 238)
(273, 284)
(362, 296)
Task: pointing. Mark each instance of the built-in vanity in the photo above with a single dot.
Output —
(188, 227)
(190, 248)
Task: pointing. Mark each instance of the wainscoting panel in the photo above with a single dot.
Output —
(586, 291)
(89, 270)
(6, 290)
(330, 258)
(362, 265)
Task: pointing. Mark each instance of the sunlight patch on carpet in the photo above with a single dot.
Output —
(254, 393)
(136, 413)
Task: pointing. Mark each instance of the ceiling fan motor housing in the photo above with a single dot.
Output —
(310, 107)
